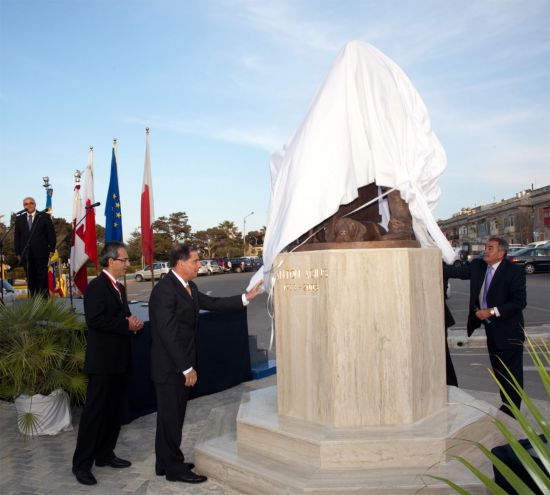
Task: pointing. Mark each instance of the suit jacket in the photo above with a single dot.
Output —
(108, 350)
(507, 292)
(174, 316)
(43, 236)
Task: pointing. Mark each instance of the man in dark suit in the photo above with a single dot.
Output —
(34, 245)
(174, 311)
(497, 298)
(110, 327)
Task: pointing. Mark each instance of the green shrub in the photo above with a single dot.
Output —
(540, 355)
(42, 348)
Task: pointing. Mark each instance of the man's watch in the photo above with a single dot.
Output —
(492, 311)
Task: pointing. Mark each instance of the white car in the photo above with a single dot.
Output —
(209, 267)
(160, 269)
(214, 267)
(536, 244)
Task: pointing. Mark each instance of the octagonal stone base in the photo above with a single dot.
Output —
(253, 450)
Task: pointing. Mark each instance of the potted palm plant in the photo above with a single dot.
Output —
(42, 349)
(530, 474)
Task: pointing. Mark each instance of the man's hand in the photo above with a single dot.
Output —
(190, 378)
(483, 314)
(255, 291)
(134, 323)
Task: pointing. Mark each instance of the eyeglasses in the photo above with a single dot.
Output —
(124, 260)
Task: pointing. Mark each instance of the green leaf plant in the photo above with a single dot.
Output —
(42, 348)
(540, 356)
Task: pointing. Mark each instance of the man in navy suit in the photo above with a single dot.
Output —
(497, 298)
(110, 326)
(174, 312)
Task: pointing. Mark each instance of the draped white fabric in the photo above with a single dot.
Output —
(366, 124)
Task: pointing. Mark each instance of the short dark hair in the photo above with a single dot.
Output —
(180, 252)
(110, 251)
(502, 243)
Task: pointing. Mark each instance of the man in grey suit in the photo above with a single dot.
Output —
(174, 312)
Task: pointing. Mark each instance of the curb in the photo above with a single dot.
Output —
(458, 339)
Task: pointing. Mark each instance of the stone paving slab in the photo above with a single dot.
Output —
(42, 465)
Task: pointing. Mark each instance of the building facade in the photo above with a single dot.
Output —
(520, 220)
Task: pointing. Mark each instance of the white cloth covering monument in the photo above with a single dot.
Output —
(361, 404)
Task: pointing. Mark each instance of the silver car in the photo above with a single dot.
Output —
(209, 267)
(160, 269)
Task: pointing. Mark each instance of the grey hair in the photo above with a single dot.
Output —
(502, 243)
(110, 251)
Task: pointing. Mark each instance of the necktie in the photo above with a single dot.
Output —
(488, 278)
(117, 288)
(29, 221)
(188, 289)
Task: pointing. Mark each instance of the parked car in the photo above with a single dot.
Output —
(223, 262)
(537, 244)
(212, 267)
(512, 250)
(160, 269)
(532, 259)
(203, 269)
(243, 264)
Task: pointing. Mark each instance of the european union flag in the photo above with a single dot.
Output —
(113, 211)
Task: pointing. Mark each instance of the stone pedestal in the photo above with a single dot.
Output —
(359, 336)
(361, 404)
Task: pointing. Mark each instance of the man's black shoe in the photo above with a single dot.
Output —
(189, 477)
(162, 471)
(115, 462)
(85, 477)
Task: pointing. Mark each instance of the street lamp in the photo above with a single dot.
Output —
(244, 232)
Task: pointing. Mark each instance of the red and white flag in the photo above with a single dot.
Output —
(90, 241)
(78, 256)
(147, 213)
(83, 243)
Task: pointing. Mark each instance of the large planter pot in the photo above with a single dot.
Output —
(52, 413)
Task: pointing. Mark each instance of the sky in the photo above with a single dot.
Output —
(222, 84)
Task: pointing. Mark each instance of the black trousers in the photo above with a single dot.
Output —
(171, 406)
(513, 359)
(36, 269)
(450, 369)
(100, 421)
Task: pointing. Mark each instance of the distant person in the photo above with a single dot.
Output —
(34, 245)
(174, 311)
(110, 327)
(449, 322)
(498, 296)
